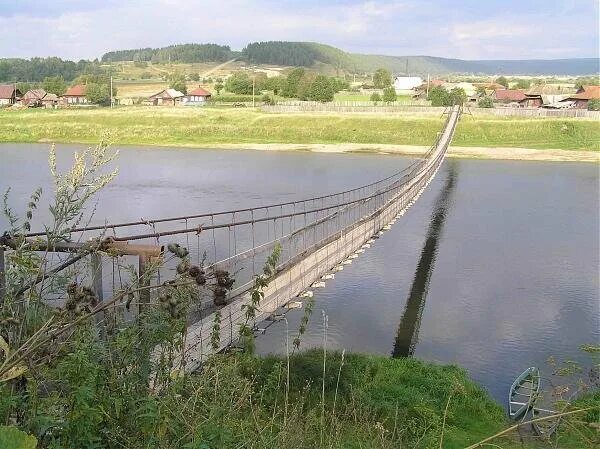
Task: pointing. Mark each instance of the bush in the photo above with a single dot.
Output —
(375, 97)
(389, 95)
(594, 104)
(485, 102)
(268, 99)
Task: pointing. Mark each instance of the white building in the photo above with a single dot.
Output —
(406, 84)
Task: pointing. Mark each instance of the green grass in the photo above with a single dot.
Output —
(205, 126)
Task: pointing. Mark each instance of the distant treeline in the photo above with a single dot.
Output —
(37, 69)
(282, 53)
(186, 53)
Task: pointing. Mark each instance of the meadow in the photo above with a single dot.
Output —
(202, 127)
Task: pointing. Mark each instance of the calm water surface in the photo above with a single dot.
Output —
(495, 268)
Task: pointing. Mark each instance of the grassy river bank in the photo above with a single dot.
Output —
(480, 137)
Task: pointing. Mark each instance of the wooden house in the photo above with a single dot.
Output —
(584, 94)
(512, 97)
(167, 97)
(9, 94)
(36, 98)
(75, 95)
(198, 96)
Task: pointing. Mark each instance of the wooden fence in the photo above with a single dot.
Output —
(420, 107)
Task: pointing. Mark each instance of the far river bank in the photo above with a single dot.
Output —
(497, 153)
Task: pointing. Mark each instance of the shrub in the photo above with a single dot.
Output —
(389, 95)
(594, 104)
(485, 102)
(375, 97)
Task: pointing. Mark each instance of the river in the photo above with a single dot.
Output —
(495, 268)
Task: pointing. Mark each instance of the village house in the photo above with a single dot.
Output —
(510, 97)
(582, 97)
(406, 84)
(167, 97)
(75, 95)
(9, 94)
(39, 98)
(198, 96)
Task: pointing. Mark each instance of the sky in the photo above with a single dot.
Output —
(465, 29)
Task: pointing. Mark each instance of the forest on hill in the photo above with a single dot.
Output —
(184, 53)
(320, 57)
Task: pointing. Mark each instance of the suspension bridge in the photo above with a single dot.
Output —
(317, 237)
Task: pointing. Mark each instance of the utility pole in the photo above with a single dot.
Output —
(427, 92)
(253, 84)
(111, 92)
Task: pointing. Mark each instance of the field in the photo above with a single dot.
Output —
(216, 126)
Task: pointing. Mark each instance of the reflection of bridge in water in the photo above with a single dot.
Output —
(408, 329)
(317, 237)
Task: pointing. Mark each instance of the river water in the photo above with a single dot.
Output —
(495, 268)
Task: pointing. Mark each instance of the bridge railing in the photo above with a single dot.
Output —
(313, 250)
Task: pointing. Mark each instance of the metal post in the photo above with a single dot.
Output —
(96, 267)
(2, 276)
(144, 280)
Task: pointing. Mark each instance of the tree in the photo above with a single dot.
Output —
(194, 77)
(55, 85)
(480, 91)
(502, 81)
(389, 95)
(304, 85)
(485, 102)
(375, 97)
(219, 87)
(457, 96)
(98, 94)
(523, 84)
(594, 105)
(321, 89)
(438, 96)
(290, 87)
(239, 83)
(177, 81)
(382, 78)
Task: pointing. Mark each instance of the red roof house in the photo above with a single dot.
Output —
(510, 96)
(9, 94)
(75, 95)
(197, 96)
(583, 96)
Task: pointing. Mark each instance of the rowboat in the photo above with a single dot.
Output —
(523, 392)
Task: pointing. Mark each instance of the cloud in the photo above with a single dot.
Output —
(87, 29)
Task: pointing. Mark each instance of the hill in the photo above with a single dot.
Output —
(309, 54)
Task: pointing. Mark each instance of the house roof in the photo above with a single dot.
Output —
(35, 94)
(490, 86)
(548, 89)
(586, 93)
(168, 93)
(199, 92)
(75, 91)
(8, 91)
(50, 97)
(510, 95)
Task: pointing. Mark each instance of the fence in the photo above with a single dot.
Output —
(399, 108)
